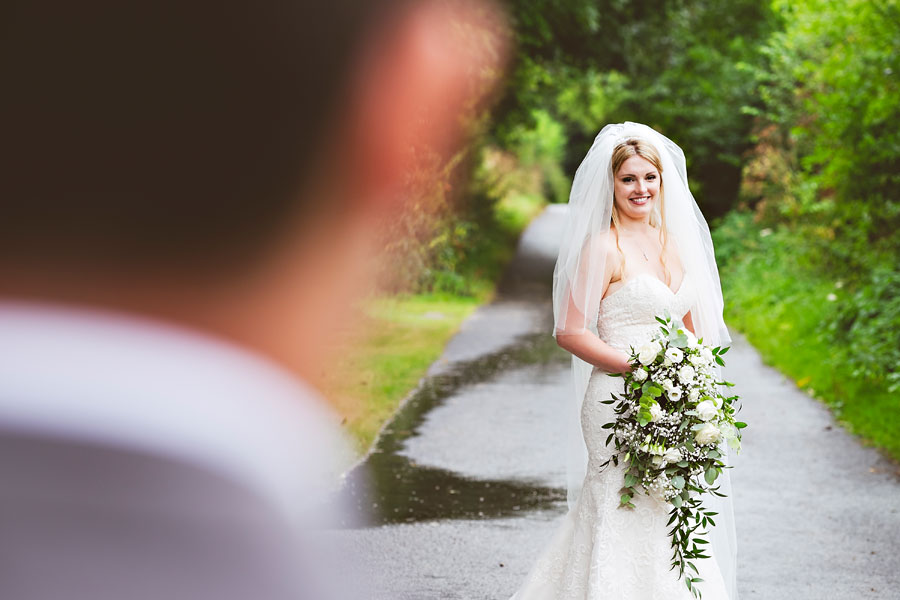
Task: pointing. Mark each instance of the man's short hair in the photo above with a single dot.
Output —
(165, 132)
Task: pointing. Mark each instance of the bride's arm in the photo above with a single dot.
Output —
(591, 349)
(585, 344)
(689, 322)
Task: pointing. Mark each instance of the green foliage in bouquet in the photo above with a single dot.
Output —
(671, 423)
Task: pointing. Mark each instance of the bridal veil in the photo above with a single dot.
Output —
(577, 289)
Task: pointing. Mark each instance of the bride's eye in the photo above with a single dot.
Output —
(627, 179)
(651, 177)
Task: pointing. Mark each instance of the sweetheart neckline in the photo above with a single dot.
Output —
(654, 277)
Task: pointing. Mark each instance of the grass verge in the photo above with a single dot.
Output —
(784, 308)
(402, 337)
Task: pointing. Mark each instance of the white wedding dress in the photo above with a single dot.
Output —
(601, 551)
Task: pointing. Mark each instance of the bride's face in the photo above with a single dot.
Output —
(636, 187)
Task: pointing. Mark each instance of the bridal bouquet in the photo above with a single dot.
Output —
(670, 426)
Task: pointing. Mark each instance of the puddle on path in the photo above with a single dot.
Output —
(391, 488)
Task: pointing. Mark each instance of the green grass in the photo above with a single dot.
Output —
(405, 335)
(784, 308)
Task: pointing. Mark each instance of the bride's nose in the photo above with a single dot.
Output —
(642, 185)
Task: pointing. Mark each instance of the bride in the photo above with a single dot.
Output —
(635, 245)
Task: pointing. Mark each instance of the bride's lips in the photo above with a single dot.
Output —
(640, 200)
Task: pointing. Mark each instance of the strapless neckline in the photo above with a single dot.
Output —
(654, 278)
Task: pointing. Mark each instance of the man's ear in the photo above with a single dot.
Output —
(416, 76)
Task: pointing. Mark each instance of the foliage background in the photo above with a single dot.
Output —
(788, 114)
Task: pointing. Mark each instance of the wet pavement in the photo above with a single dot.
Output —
(465, 486)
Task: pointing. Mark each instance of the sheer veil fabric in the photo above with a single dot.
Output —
(577, 289)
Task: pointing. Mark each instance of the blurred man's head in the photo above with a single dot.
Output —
(152, 151)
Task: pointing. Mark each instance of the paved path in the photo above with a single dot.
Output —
(467, 482)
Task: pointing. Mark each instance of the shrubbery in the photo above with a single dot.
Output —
(826, 167)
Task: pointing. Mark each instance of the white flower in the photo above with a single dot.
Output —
(658, 461)
(656, 412)
(706, 354)
(647, 353)
(666, 362)
(667, 384)
(707, 434)
(728, 430)
(696, 360)
(694, 395)
(639, 375)
(672, 455)
(675, 393)
(686, 374)
(706, 410)
(674, 354)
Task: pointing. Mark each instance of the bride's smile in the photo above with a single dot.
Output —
(636, 187)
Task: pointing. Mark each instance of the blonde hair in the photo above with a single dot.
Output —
(621, 153)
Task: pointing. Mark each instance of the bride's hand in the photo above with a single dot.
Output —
(626, 367)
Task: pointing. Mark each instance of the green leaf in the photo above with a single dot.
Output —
(740, 424)
(711, 475)
(676, 502)
(677, 482)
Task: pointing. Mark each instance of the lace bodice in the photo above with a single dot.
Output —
(626, 316)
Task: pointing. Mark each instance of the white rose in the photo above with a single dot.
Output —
(674, 354)
(707, 434)
(647, 353)
(696, 360)
(656, 412)
(707, 410)
(675, 393)
(666, 362)
(639, 375)
(667, 384)
(672, 455)
(694, 395)
(706, 354)
(686, 374)
(658, 461)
